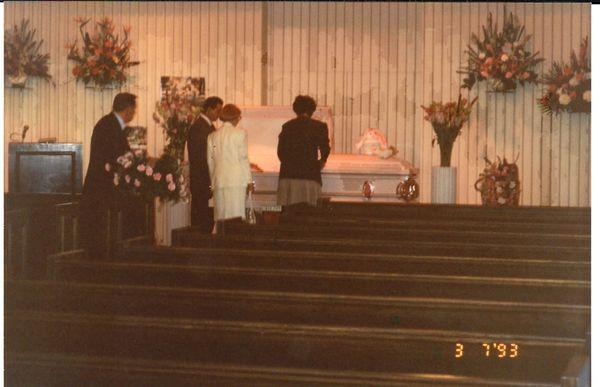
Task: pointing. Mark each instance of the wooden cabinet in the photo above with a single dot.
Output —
(45, 168)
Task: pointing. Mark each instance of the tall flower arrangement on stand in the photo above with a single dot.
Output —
(22, 56)
(180, 105)
(500, 58)
(447, 120)
(569, 85)
(104, 59)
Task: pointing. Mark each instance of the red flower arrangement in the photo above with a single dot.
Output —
(569, 85)
(103, 58)
(500, 58)
(447, 119)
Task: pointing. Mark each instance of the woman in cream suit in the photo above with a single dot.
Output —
(229, 168)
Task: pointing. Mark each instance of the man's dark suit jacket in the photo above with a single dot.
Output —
(199, 175)
(299, 141)
(109, 142)
(196, 145)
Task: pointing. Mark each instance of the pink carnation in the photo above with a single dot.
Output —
(141, 167)
(157, 176)
(171, 186)
(107, 167)
(508, 75)
(169, 178)
(149, 171)
(127, 179)
(137, 183)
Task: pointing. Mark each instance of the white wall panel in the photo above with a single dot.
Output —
(394, 57)
(374, 63)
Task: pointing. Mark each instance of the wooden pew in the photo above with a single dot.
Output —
(187, 237)
(412, 235)
(329, 220)
(31, 369)
(65, 267)
(520, 318)
(38, 225)
(525, 214)
(296, 346)
(17, 249)
(358, 262)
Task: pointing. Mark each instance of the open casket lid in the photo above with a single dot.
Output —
(263, 125)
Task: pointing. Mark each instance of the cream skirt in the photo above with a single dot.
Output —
(292, 191)
(229, 203)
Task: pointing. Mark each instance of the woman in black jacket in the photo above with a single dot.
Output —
(301, 142)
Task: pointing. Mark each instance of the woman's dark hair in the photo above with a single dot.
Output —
(304, 104)
(123, 100)
(211, 102)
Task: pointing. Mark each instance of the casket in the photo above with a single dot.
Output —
(344, 176)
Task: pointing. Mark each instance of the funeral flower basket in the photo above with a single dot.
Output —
(104, 59)
(447, 120)
(568, 85)
(499, 184)
(22, 56)
(500, 58)
(135, 174)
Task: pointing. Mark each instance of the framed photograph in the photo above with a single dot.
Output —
(191, 88)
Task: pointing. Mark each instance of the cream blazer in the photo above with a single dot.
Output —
(227, 156)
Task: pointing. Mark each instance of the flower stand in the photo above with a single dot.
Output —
(443, 185)
(168, 217)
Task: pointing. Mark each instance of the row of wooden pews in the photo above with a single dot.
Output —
(348, 294)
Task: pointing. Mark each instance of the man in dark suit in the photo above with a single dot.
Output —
(199, 176)
(109, 141)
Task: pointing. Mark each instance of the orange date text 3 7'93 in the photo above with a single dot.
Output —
(499, 350)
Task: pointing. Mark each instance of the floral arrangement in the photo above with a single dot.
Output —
(447, 120)
(135, 174)
(499, 184)
(103, 59)
(500, 58)
(180, 105)
(22, 56)
(569, 85)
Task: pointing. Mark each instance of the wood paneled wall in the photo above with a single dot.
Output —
(374, 63)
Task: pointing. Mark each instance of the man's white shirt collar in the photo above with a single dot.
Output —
(121, 122)
(206, 119)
